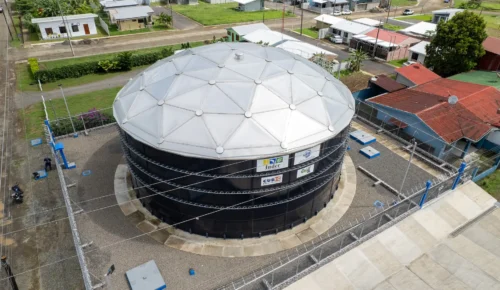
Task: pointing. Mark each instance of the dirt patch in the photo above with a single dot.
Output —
(356, 81)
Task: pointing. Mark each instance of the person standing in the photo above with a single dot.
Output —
(48, 163)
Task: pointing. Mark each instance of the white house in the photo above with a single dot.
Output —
(303, 49)
(347, 29)
(369, 22)
(267, 36)
(417, 52)
(107, 5)
(325, 21)
(444, 14)
(76, 25)
(236, 33)
(421, 29)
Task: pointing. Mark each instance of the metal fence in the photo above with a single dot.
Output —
(304, 259)
(82, 123)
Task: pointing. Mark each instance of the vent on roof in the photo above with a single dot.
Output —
(416, 66)
(238, 55)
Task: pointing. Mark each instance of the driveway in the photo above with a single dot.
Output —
(180, 22)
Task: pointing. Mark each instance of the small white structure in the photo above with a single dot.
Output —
(146, 277)
(421, 29)
(131, 18)
(269, 37)
(369, 22)
(303, 49)
(417, 52)
(325, 21)
(249, 5)
(107, 5)
(347, 29)
(444, 14)
(76, 25)
(236, 33)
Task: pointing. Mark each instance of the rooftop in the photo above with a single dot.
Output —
(447, 11)
(420, 47)
(389, 36)
(233, 101)
(368, 21)
(487, 78)
(246, 29)
(244, 1)
(492, 44)
(303, 49)
(132, 12)
(420, 29)
(417, 73)
(329, 19)
(472, 117)
(267, 36)
(121, 3)
(59, 18)
(352, 27)
(388, 83)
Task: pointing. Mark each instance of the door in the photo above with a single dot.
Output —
(48, 31)
(86, 28)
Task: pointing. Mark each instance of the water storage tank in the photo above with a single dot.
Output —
(234, 139)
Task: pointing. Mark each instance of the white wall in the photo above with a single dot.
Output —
(420, 58)
(56, 24)
(402, 80)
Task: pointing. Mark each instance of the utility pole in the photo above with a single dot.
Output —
(69, 114)
(8, 26)
(301, 15)
(376, 40)
(10, 12)
(409, 164)
(10, 275)
(263, 10)
(388, 10)
(67, 29)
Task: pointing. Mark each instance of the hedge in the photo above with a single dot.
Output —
(92, 119)
(92, 67)
(33, 63)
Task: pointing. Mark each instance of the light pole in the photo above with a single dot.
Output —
(8, 26)
(301, 15)
(408, 168)
(10, 275)
(67, 28)
(69, 114)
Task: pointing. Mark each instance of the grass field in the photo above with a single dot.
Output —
(492, 25)
(487, 78)
(311, 32)
(34, 115)
(210, 14)
(491, 184)
(421, 17)
(400, 3)
(398, 62)
(392, 27)
(486, 5)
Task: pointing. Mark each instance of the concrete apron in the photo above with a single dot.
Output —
(251, 247)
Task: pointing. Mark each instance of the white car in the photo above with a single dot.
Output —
(346, 12)
(336, 39)
(408, 12)
(337, 13)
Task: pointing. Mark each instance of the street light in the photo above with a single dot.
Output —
(67, 109)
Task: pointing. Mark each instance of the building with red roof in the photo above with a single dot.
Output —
(390, 45)
(491, 60)
(424, 112)
(415, 74)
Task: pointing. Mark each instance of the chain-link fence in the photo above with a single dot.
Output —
(83, 122)
(296, 263)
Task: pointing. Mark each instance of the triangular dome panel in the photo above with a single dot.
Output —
(222, 126)
(301, 126)
(275, 122)
(281, 86)
(199, 63)
(332, 92)
(316, 83)
(147, 121)
(301, 91)
(313, 108)
(304, 69)
(265, 100)
(218, 102)
(194, 132)
(159, 73)
(173, 118)
(183, 84)
(217, 56)
(142, 102)
(248, 135)
(250, 70)
(241, 93)
(160, 89)
(192, 100)
(271, 70)
(335, 110)
(126, 101)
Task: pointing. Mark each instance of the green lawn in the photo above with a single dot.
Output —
(400, 3)
(210, 14)
(398, 62)
(486, 5)
(492, 25)
(487, 78)
(392, 27)
(34, 115)
(311, 32)
(421, 17)
(491, 184)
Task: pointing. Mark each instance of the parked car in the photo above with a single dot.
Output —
(337, 13)
(409, 63)
(408, 12)
(346, 12)
(336, 39)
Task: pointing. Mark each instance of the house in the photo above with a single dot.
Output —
(325, 21)
(420, 30)
(444, 14)
(389, 45)
(328, 6)
(218, 1)
(305, 50)
(418, 52)
(107, 5)
(266, 36)
(369, 22)
(75, 25)
(491, 60)
(347, 29)
(236, 33)
(425, 113)
(131, 18)
(415, 74)
(249, 5)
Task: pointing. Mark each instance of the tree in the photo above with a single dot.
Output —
(457, 45)
(355, 59)
(164, 19)
(124, 60)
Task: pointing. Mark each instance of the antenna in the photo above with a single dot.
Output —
(452, 100)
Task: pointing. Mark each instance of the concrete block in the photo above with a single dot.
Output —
(433, 223)
(160, 236)
(307, 235)
(399, 245)
(175, 242)
(359, 270)
(212, 250)
(406, 280)
(381, 258)
(290, 242)
(254, 250)
(384, 286)
(449, 214)
(435, 275)
(233, 252)
(417, 233)
(272, 247)
(463, 204)
(484, 239)
(195, 248)
(329, 275)
(146, 226)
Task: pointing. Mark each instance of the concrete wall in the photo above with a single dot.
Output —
(252, 6)
(79, 23)
(402, 80)
(420, 57)
(131, 24)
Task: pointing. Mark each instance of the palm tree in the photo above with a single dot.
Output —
(355, 60)
(164, 19)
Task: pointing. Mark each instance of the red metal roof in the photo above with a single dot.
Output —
(492, 44)
(472, 117)
(387, 83)
(417, 73)
(389, 36)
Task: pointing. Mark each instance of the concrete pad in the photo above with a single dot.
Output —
(478, 195)
(399, 245)
(328, 276)
(160, 236)
(483, 239)
(307, 235)
(175, 242)
(233, 252)
(359, 270)
(381, 258)
(463, 204)
(491, 223)
(272, 247)
(212, 250)
(253, 250)
(305, 283)
(433, 223)
(320, 227)
(449, 214)
(406, 280)
(195, 248)
(384, 286)
(417, 233)
(136, 217)
(434, 275)
(128, 208)
(290, 242)
(146, 226)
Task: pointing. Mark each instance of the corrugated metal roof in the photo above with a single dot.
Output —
(246, 29)
(132, 12)
(329, 19)
(66, 18)
(267, 36)
(387, 83)
(121, 3)
(389, 36)
(421, 28)
(492, 44)
(303, 49)
(417, 73)
(368, 21)
(352, 27)
(233, 101)
(420, 47)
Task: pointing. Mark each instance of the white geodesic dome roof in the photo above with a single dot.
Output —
(233, 101)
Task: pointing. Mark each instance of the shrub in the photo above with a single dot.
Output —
(107, 65)
(33, 63)
(92, 119)
(69, 71)
(124, 60)
(145, 58)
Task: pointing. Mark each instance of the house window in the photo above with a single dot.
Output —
(237, 38)
(346, 34)
(62, 29)
(74, 28)
(414, 56)
(134, 20)
(140, 20)
(49, 31)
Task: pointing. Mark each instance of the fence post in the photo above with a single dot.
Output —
(460, 172)
(424, 196)
(474, 172)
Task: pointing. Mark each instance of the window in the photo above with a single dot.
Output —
(49, 31)
(62, 29)
(141, 20)
(134, 20)
(346, 34)
(74, 28)
(237, 38)
(414, 56)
